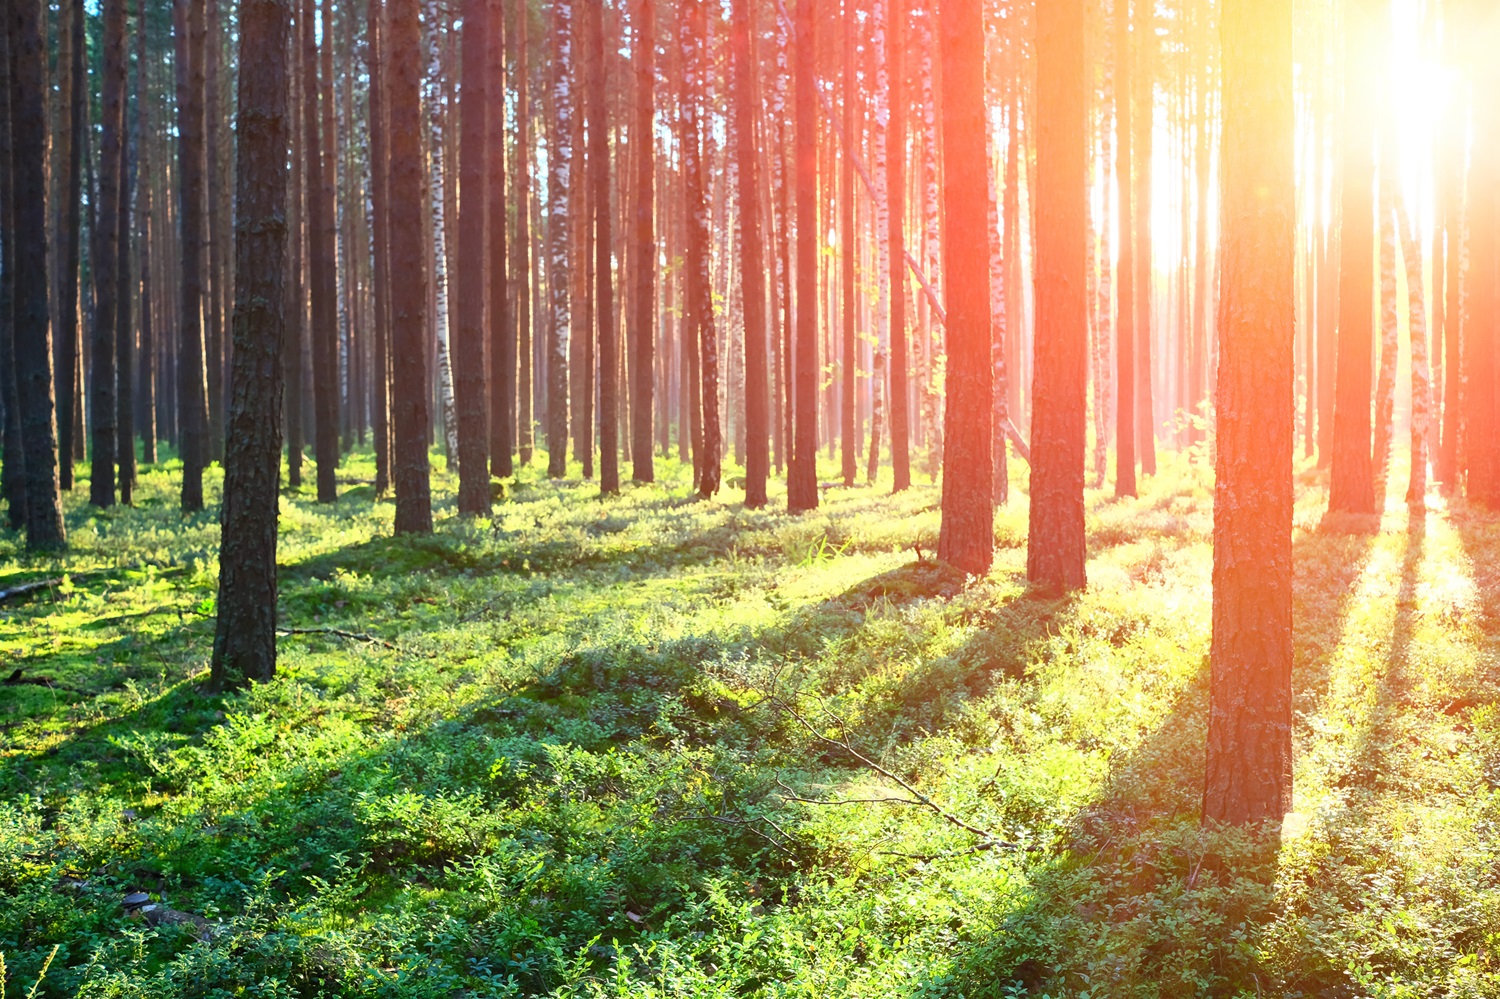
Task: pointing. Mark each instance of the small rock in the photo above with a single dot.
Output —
(136, 899)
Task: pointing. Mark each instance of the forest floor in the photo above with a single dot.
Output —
(657, 747)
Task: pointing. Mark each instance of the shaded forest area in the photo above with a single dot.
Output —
(756, 497)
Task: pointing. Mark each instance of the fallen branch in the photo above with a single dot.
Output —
(1022, 448)
(350, 635)
(989, 840)
(23, 589)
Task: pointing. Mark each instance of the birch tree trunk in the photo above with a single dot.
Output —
(559, 183)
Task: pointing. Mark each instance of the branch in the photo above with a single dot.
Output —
(1022, 448)
(352, 636)
(922, 800)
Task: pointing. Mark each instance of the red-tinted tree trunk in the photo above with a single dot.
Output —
(643, 303)
(502, 330)
(900, 359)
(699, 291)
(473, 208)
(802, 469)
(375, 34)
(1248, 777)
(753, 256)
(604, 288)
(245, 631)
(1056, 555)
(1352, 482)
(1126, 312)
(967, 536)
(192, 413)
(66, 336)
(407, 202)
(107, 257)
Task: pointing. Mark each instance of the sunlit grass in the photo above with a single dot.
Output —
(556, 765)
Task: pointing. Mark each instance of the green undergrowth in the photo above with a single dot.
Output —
(651, 746)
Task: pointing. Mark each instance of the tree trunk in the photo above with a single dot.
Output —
(13, 474)
(1390, 350)
(1144, 82)
(468, 346)
(1352, 480)
(502, 323)
(559, 182)
(699, 292)
(296, 299)
(966, 539)
(31, 322)
(900, 358)
(1125, 423)
(848, 238)
(208, 45)
(1421, 384)
(802, 469)
(407, 204)
(1248, 777)
(66, 336)
(604, 288)
(322, 329)
(245, 630)
(107, 256)
(145, 374)
(1056, 555)
(191, 404)
(124, 334)
(375, 33)
(523, 277)
(643, 302)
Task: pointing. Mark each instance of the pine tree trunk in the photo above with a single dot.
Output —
(643, 303)
(107, 256)
(559, 182)
(502, 331)
(604, 290)
(296, 285)
(245, 631)
(145, 373)
(1385, 381)
(124, 334)
(376, 32)
(1125, 322)
(192, 410)
(75, 112)
(900, 358)
(13, 470)
(1055, 559)
(1248, 779)
(966, 538)
(1421, 383)
(700, 316)
(847, 238)
(209, 47)
(407, 204)
(802, 470)
(468, 346)
(1144, 81)
(1352, 480)
(523, 277)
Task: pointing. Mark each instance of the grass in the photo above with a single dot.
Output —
(608, 748)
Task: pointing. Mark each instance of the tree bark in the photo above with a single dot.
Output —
(31, 322)
(802, 469)
(1352, 480)
(468, 346)
(1248, 778)
(1056, 555)
(559, 183)
(753, 256)
(375, 33)
(699, 291)
(245, 630)
(407, 202)
(1125, 484)
(604, 289)
(13, 474)
(643, 373)
(191, 402)
(107, 256)
(900, 358)
(502, 331)
(66, 336)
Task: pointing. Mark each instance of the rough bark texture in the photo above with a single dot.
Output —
(322, 278)
(1125, 305)
(66, 336)
(31, 323)
(604, 286)
(1249, 766)
(523, 277)
(1145, 112)
(1055, 555)
(896, 190)
(107, 257)
(643, 296)
(1421, 377)
(13, 474)
(380, 258)
(192, 414)
(753, 249)
(700, 315)
(123, 341)
(802, 469)
(559, 182)
(245, 632)
(848, 237)
(966, 539)
(473, 207)
(1390, 341)
(502, 331)
(409, 406)
(1352, 482)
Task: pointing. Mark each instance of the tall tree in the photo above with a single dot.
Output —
(245, 630)
(699, 291)
(604, 287)
(802, 469)
(145, 378)
(65, 337)
(1143, 119)
(559, 183)
(123, 341)
(407, 201)
(192, 414)
(375, 33)
(522, 277)
(644, 251)
(473, 207)
(1352, 480)
(107, 256)
(13, 473)
(31, 323)
(502, 331)
(967, 536)
(1248, 778)
(1126, 311)
(318, 147)
(896, 191)
(1056, 551)
(752, 257)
